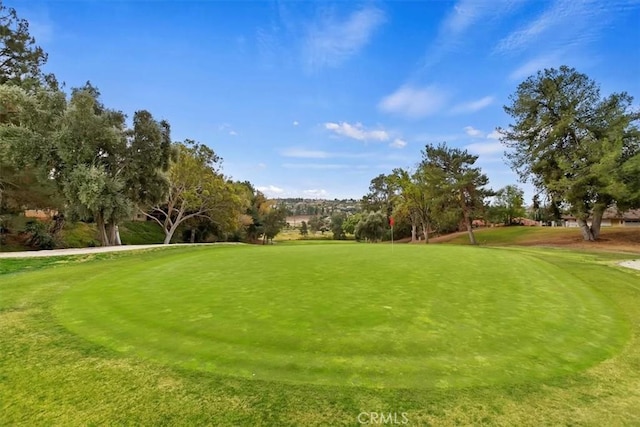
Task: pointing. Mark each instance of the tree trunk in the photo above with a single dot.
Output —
(192, 238)
(596, 223)
(467, 223)
(168, 234)
(587, 233)
(425, 232)
(413, 232)
(114, 235)
(102, 231)
(57, 225)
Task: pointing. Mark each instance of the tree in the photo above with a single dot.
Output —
(574, 145)
(304, 230)
(508, 204)
(350, 223)
(318, 223)
(79, 146)
(371, 226)
(148, 158)
(457, 186)
(415, 199)
(337, 219)
(196, 189)
(20, 58)
(382, 193)
(275, 219)
(27, 122)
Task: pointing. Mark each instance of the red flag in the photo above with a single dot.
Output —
(391, 221)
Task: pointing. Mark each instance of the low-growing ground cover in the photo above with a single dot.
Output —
(308, 334)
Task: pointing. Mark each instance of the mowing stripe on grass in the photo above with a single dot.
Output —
(354, 315)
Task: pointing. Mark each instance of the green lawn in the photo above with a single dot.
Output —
(315, 334)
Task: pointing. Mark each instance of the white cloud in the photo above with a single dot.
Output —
(565, 24)
(226, 127)
(317, 166)
(262, 165)
(330, 42)
(296, 123)
(473, 132)
(494, 135)
(357, 131)
(436, 138)
(462, 20)
(555, 15)
(534, 65)
(463, 15)
(398, 143)
(485, 147)
(302, 153)
(414, 102)
(270, 190)
(305, 154)
(473, 106)
(316, 194)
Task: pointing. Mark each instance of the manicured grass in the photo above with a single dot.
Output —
(612, 238)
(516, 235)
(316, 334)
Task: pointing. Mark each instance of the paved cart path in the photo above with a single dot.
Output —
(97, 250)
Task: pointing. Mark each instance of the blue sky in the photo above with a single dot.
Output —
(314, 99)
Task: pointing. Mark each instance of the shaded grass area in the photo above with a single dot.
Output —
(50, 375)
(141, 233)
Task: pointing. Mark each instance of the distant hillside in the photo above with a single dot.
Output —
(313, 207)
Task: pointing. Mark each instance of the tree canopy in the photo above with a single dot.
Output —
(196, 189)
(21, 59)
(580, 148)
(457, 186)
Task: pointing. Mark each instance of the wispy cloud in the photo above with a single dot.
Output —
(226, 127)
(485, 147)
(473, 132)
(552, 17)
(494, 135)
(464, 14)
(564, 24)
(538, 63)
(314, 166)
(357, 131)
(414, 102)
(316, 193)
(302, 153)
(473, 106)
(305, 154)
(462, 19)
(295, 123)
(398, 143)
(270, 190)
(331, 41)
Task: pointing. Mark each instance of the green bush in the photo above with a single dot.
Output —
(39, 235)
